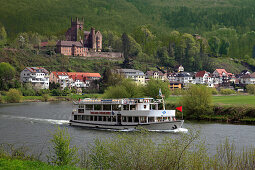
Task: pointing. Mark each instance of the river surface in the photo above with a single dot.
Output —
(31, 124)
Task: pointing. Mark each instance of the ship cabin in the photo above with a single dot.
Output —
(121, 111)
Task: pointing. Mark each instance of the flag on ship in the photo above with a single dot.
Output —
(160, 93)
(179, 108)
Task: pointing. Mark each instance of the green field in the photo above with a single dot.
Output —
(236, 100)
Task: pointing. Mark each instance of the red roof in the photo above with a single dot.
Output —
(59, 73)
(220, 71)
(83, 76)
(201, 73)
(44, 44)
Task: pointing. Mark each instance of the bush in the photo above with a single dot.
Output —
(13, 96)
(250, 88)
(214, 91)
(153, 86)
(177, 92)
(197, 101)
(227, 91)
(61, 153)
(45, 97)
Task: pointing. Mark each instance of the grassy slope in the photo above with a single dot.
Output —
(48, 16)
(226, 100)
(10, 164)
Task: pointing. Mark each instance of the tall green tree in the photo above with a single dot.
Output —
(197, 101)
(3, 36)
(7, 73)
(214, 44)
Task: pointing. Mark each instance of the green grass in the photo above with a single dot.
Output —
(10, 164)
(236, 100)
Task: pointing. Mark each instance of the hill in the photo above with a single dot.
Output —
(53, 16)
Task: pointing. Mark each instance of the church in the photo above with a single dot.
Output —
(79, 42)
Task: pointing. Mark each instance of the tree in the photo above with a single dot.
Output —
(7, 73)
(3, 37)
(13, 96)
(214, 44)
(224, 47)
(61, 153)
(153, 86)
(197, 101)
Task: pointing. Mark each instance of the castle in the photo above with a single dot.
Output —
(79, 42)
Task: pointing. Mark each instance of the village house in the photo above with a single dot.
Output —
(74, 79)
(62, 78)
(222, 78)
(247, 79)
(136, 75)
(79, 42)
(157, 75)
(37, 76)
(203, 77)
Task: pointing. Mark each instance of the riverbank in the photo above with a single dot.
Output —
(10, 164)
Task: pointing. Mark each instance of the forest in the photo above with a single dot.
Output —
(200, 35)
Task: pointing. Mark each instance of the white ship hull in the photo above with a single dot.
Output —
(168, 125)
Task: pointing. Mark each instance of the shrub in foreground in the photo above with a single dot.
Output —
(61, 153)
(227, 91)
(13, 96)
(197, 101)
(251, 88)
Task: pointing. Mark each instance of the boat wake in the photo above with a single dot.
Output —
(32, 120)
(179, 130)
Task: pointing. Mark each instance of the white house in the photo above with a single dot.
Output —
(62, 78)
(137, 75)
(37, 76)
(248, 79)
(203, 77)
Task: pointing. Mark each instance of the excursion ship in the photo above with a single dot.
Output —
(120, 114)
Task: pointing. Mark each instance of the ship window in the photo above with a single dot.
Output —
(113, 118)
(89, 107)
(124, 119)
(143, 119)
(144, 106)
(136, 119)
(99, 118)
(116, 107)
(81, 106)
(80, 110)
(151, 119)
(132, 107)
(75, 117)
(109, 118)
(91, 118)
(164, 118)
(129, 119)
(79, 117)
(83, 117)
(126, 107)
(95, 118)
(104, 118)
(87, 118)
(97, 107)
(106, 107)
(158, 119)
(153, 107)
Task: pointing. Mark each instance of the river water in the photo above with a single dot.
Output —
(31, 124)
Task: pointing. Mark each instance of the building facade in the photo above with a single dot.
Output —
(136, 75)
(79, 42)
(37, 76)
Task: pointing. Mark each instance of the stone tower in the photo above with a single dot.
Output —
(74, 33)
(93, 38)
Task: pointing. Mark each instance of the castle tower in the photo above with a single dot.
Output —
(93, 38)
(74, 33)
